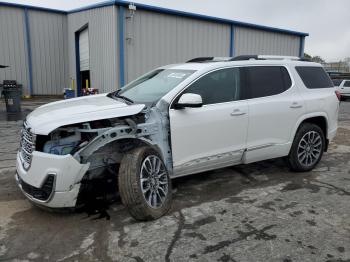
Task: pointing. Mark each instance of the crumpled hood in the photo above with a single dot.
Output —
(48, 117)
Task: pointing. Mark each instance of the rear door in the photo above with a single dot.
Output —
(275, 105)
(213, 135)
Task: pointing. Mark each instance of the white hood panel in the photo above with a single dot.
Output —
(48, 117)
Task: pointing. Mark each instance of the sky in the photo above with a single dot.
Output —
(327, 21)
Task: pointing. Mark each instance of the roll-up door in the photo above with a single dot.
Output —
(84, 50)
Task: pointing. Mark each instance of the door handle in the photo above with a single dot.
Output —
(237, 112)
(296, 105)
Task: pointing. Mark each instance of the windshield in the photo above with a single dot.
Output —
(151, 87)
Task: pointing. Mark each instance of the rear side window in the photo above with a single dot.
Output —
(314, 77)
(347, 84)
(266, 80)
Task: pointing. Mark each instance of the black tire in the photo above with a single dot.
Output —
(292, 159)
(130, 185)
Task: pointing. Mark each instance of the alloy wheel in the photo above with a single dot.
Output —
(309, 148)
(154, 181)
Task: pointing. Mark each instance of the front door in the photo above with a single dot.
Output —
(213, 135)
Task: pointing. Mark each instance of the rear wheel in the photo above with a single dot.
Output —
(307, 149)
(144, 184)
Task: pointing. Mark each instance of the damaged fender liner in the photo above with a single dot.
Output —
(133, 131)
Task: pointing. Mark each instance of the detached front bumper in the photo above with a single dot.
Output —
(52, 181)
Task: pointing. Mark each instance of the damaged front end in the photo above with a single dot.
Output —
(85, 157)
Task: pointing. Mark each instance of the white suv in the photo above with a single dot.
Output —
(343, 86)
(177, 120)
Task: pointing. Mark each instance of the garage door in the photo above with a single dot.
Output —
(84, 50)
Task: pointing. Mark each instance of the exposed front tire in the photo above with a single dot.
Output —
(144, 184)
(307, 148)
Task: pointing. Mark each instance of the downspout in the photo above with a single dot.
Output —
(121, 25)
(29, 53)
(302, 46)
(232, 40)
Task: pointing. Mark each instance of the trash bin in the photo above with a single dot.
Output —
(12, 94)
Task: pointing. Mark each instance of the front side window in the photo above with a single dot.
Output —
(151, 87)
(347, 84)
(314, 77)
(264, 81)
(218, 87)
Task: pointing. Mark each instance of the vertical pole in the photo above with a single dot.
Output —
(77, 64)
(232, 40)
(29, 52)
(121, 25)
(302, 46)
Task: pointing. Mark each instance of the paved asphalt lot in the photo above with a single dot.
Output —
(257, 212)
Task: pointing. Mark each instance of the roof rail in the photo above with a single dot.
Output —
(209, 59)
(200, 59)
(279, 57)
(268, 57)
(245, 57)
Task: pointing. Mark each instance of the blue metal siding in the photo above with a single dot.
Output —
(120, 51)
(191, 15)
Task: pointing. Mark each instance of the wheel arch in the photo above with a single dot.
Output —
(125, 144)
(138, 142)
(320, 119)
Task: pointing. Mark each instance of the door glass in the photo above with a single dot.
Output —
(347, 84)
(218, 87)
(314, 77)
(266, 80)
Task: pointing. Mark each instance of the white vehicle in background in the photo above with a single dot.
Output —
(177, 120)
(343, 86)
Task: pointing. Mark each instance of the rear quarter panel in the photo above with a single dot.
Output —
(319, 102)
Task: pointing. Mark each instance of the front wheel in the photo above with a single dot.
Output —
(307, 148)
(144, 184)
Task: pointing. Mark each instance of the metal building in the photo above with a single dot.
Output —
(109, 44)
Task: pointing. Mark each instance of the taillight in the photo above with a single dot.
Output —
(337, 93)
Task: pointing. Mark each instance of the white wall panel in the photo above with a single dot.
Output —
(252, 41)
(154, 39)
(48, 36)
(13, 46)
(103, 59)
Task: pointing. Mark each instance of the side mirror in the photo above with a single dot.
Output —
(189, 100)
